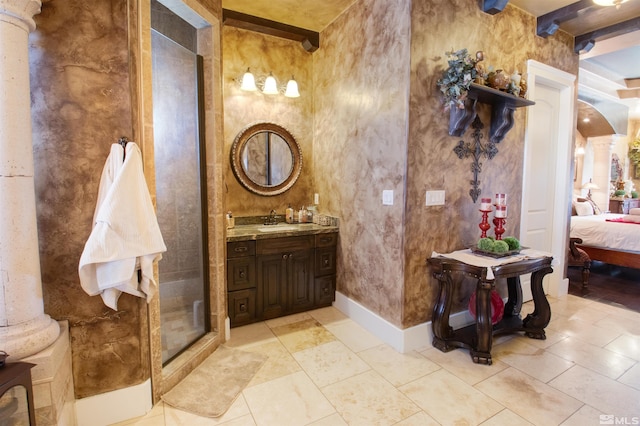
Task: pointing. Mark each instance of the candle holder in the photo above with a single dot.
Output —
(484, 225)
(499, 226)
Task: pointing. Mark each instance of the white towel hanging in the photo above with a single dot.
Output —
(125, 237)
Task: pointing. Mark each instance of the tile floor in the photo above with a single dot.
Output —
(324, 369)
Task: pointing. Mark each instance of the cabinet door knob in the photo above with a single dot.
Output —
(243, 307)
(285, 256)
(242, 274)
(326, 262)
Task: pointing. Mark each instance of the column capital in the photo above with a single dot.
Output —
(20, 12)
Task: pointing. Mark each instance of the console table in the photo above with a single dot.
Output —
(16, 374)
(478, 337)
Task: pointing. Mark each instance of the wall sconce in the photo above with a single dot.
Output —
(268, 85)
(615, 3)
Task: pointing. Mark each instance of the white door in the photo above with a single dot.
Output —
(547, 165)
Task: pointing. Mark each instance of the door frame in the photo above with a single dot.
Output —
(540, 74)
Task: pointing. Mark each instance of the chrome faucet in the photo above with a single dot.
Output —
(272, 219)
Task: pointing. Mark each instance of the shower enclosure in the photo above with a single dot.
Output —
(180, 181)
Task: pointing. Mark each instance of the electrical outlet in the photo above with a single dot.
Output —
(316, 198)
(435, 198)
(387, 197)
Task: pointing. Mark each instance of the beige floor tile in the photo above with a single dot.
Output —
(396, 367)
(330, 362)
(506, 417)
(368, 399)
(301, 335)
(536, 362)
(332, 420)
(278, 364)
(631, 377)
(289, 319)
(353, 335)
(620, 324)
(553, 336)
(459, 363)
(419, 419)
(600, 392)
(593, 357)
(586, 415)
(438, 392)
(252, 334)
(328, 315)
(584, 331)
(626, 345)
(529, 398)
(588, 314)
(175, 417)
(290, 400)
(152, 418)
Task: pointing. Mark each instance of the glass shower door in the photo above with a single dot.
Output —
(180, 190)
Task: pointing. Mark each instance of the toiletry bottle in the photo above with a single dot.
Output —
(289, 214)
(231, 221)
(302, 215)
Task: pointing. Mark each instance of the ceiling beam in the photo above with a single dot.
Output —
(310, 39)
(493, 6)
(549, 23)
(589, 39)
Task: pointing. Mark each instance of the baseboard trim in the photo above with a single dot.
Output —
(418, 337)
(115, 406)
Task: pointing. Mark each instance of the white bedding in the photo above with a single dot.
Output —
(596, 231)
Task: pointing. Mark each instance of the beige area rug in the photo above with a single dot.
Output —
(211, 388)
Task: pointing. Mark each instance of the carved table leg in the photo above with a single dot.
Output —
(441, 312)
(481, 354)
(536, 321)
(514, 303)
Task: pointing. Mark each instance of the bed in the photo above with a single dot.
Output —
(617, 243)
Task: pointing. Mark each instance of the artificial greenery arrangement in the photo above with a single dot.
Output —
(457, 79)
(498, 246)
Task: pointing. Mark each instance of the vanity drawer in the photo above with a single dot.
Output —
(241, 249)
(242, 307)
(241, 273)
(283, 245)
(326, 240)
(325, 261)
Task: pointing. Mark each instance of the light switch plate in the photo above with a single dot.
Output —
(387, 197)
(435, 198)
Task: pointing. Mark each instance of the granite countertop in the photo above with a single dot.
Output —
(260, 232)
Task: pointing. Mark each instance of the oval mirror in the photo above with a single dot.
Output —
(266, 159)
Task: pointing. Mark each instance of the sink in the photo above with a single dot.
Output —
(277, 228)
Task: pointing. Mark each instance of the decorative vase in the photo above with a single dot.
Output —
(498, 80)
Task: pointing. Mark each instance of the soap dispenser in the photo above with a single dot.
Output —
(289, 214)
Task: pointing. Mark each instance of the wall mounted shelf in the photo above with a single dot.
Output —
(502, 107)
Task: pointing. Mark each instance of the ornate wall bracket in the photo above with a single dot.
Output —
(477, 150)
(503, 106)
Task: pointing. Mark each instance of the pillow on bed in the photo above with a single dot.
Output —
(584, 208)
(596, 209)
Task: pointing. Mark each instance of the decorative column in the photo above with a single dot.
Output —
(602, 149)
(24, 327)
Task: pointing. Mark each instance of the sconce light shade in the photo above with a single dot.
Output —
(615, 3)
(270, 86)
(292, 89)
(248, 82)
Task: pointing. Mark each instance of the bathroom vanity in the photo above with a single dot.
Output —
(278, 270)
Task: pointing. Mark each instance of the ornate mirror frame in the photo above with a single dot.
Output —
(239, 145)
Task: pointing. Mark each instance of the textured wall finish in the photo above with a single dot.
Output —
(361, 115)
(361, 86)
(508, 40)
(284, 58)
(80, 106)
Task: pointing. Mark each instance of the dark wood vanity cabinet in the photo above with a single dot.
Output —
(280, 276)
